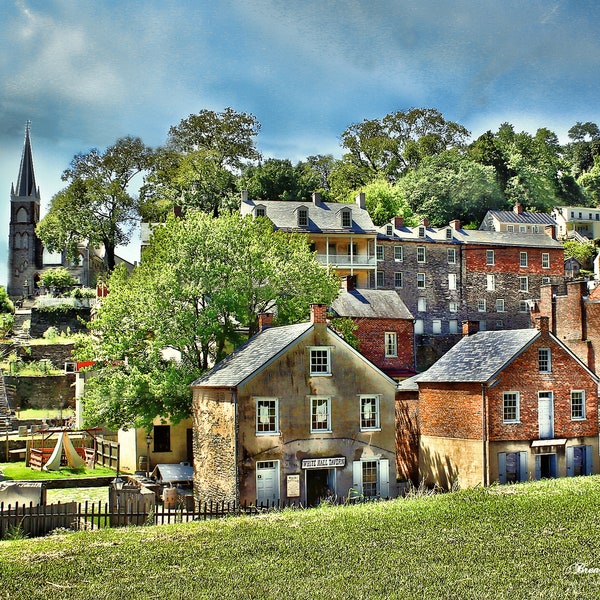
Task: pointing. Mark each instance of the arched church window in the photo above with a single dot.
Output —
(22, 215)
(25, 241)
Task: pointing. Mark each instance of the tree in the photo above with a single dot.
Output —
(96, 207)
(202, 280)
(59, 280)
(199, 164)
(6, 305)
(584, 252)
(385, 201)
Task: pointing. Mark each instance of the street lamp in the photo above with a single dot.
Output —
(148, 442)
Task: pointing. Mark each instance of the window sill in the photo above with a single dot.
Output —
(267, 433)
(321, 430)
(511, 422)
(370, 430)
(321, 374)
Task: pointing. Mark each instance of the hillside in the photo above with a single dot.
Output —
(534, 540)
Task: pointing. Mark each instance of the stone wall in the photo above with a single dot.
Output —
(58, 354)
(64, 321)
(41, 392)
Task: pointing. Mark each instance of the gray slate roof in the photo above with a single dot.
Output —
(251, 356)
(477, 358)
(382, 304)
(529, 218)
(323, 217)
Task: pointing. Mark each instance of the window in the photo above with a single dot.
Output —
(267, 415)
(545, 280)
(379, 252)
(436, 326)
(398, 279)
(162, 438)
(320, 414)
(380, 279)
(421, 280)
(482, 325)
(510, 228)
(346, 217)
(512, 466)
(481, 305)
(579, 460)
(453, 307)
(523, 259)
(451, 256)
(491, 282)
(398, 255)
(369, 412)
(522, 229)
(499, 324)
(577, 405)
(499, 304)
(419, 326)
(421, 231)
(510, 407)
(449, 233)
(371, 477)
(451, 281)
(535, 229)
(391, 343)
(544, 360)
(389, 230)
(260, 211)
(320, 361)
(453, 326)
(524, 284)
(489, 257)
(303, 217)
(421, 257)
(523, 306)
(545, 260)
(422, 304)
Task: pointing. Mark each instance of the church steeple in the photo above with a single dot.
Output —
(26, 186)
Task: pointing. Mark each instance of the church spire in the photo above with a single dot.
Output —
(26, 187)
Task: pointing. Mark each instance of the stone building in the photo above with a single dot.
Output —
(295, 414)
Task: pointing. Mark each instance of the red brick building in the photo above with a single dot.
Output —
(507, 406)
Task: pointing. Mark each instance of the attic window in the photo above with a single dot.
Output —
(421, 231)
(346, 217)
(389, 230)
(303, 217)
(260, 211)
(449, 233)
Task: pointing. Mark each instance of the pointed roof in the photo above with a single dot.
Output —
(26, 186)
(375, 304)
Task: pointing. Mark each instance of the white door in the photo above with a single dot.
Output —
(267, 482)
(545, 415)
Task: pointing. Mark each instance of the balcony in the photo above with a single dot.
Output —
(346, 261)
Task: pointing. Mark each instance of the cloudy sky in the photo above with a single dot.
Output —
(87, 73)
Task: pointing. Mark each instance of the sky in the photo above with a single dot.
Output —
(88, 73)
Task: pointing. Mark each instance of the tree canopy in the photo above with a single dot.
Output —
(202, 281)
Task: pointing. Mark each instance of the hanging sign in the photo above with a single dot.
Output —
(323, 463)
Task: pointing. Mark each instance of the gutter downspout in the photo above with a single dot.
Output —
(235, 444)
(485, 435)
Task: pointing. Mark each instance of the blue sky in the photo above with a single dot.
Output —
(87, 73)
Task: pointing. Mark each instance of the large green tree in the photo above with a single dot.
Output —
(97, 206)
(201, 281)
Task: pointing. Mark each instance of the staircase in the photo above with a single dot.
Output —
(21, 334)
(7, 420)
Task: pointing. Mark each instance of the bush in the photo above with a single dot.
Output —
(6, 306)
(7, 323)
(58, 280)
(80, 293)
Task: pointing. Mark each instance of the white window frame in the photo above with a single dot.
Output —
(452, 281)
(523, 306)
(421, 304)
(545, 260)
(544, 360)
(389, 230)
(453, 326)
(436, 326)
(421, 231)
(500, 305)
(421, 254)
(318, 368)
(362, 400)
(481, 305)
(390, 339)
(382, 485)
(379, 252)
(510, 228)
(421, 281)
(491, 282)
(315, 403)
(523, 259)
(489, 257)
(580, 408)
(419, 326)
(380, 279)
(274, 417)
(346, 218)
(303, 218)
(453, 307)
(398, 253)
(451, 255)
(398, 279)
(515, 397)
(523, 283)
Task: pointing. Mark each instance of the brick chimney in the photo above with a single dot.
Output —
(398, 222)
(470, 327)
(455, 224)
(318, 313)
(349, 283)
(265, 320)
(360, 200)
(542, 323)
(244, 195)
(177, 211)
(316, 198)
(551, 231)
(425, 222)
(518, 208)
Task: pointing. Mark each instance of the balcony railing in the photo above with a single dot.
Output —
(344, 260)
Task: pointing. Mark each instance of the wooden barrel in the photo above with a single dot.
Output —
(170, 497)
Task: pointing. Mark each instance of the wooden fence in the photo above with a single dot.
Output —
(36, 520)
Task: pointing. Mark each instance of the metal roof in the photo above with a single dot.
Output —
(529, 218)
(169, 473)
(382, 304)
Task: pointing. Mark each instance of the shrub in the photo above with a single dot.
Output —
(59, 280)
(7, 323)
(6, 306)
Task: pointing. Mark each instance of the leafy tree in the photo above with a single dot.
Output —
(96, 207)
(201, 280)
(6, 305)
(584, 252)
(58, 279)
(385, 201)
(584, 147)
(590, 182)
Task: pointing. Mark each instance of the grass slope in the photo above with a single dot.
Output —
(535, 540)
(19, 471)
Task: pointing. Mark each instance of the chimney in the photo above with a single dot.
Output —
(265, 320)
(518, 208)
(425, 222)
(318, 313)
(349, 283)
(177, 211)
(470, 327)
(316, 198)
(551, 231)
(398, 222)
(244, 195)
(360, 200)
(455, 224)
(542, 323)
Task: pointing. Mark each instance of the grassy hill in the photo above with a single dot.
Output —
(533, 540)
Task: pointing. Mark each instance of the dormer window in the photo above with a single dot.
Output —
(303, 217)
(421, 231)
(389, 230)
(346, 216)
(449, 233)
(260, 211)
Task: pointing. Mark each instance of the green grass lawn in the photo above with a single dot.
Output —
(19, 471)
(534, 540)
(44, 413)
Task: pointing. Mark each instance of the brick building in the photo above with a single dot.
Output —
(294, 414)
(384, 327)
(507, 406)
(447, 275)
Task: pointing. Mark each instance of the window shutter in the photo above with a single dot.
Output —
(538, 467)
(570, 460)
(589, 464)
(502, 467)
(357, 475)
(384, 478)
(523, 466)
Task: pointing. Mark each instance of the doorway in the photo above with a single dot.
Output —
(545, 415)
(545, 466)
(319, 484)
